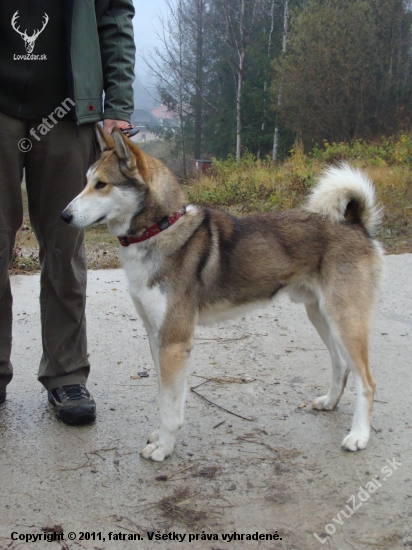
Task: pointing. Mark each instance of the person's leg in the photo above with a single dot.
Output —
(55, 173)
(12, 130)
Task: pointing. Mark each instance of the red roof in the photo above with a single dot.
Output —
(163, 112)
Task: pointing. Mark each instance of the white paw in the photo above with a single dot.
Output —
(355, 441)
(153, 437)
(323, 403)
(156, 451)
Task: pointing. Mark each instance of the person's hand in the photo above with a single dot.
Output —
(110, 123)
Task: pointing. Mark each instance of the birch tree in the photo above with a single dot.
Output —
(196, 22)
(239, 33)
(168, 63)
(284, 45)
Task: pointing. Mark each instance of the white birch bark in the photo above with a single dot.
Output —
(284, 46)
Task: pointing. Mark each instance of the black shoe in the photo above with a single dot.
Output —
(73, 403)
(3, 395)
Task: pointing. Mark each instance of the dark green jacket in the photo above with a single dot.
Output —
(102, 58)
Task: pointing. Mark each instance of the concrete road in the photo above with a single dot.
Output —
(275, 467)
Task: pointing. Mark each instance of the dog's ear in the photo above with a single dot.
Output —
(122, 149)
(129, 154)
(104, 139)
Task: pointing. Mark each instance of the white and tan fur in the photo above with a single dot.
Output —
(209, 266)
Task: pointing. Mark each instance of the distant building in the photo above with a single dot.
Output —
(165, 118)
(146, 122)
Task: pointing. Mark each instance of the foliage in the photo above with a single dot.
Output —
(197, 70)
(341, 70)
(259, 186)
(382, 152)
(347, 72)
(256, 185)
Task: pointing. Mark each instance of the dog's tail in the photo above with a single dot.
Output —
(346, 194)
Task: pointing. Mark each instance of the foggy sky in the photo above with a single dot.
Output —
(145, 23)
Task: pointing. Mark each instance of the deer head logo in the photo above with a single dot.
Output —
(29, 41)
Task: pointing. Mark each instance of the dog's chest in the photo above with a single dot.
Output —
(149, 299)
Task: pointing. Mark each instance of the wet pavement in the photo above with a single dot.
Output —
(272, 466)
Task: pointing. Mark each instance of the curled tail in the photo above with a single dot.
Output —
(346, 194)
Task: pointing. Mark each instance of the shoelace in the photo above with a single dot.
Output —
(74, 392)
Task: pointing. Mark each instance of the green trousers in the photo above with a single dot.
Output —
(55, 168)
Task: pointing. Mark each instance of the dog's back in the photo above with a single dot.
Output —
(233, 262)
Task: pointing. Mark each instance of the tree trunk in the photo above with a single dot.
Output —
(239, 107)
(284, 45)
(241, 54)
(181, 84)
(197, 108)
(275, 141)
(265, 84)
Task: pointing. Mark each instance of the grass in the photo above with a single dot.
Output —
(259, 186)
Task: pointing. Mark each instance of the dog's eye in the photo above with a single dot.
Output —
(100, 185)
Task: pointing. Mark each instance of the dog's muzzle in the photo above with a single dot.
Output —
(66, 217)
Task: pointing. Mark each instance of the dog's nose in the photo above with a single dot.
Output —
(66, 217)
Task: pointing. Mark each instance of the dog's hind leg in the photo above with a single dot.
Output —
(349, 314)
(171, 358)
(356, 341)
(340, 367)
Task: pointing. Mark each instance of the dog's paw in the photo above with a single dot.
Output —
(153, 437)
(156, 451)
(323, 404)
(355, 441)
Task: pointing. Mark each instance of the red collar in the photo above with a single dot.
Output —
(153, 230)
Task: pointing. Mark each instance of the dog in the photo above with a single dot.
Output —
(189, 265)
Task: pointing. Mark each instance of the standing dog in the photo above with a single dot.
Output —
(189, 265)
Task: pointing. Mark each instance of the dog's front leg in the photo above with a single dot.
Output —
(172, 385)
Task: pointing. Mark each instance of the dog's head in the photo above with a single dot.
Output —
(125, 188)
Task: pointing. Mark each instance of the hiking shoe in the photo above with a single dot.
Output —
(73, 404)
(3, 396)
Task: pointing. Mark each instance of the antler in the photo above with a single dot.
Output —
(13, 24)
(36, 33)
